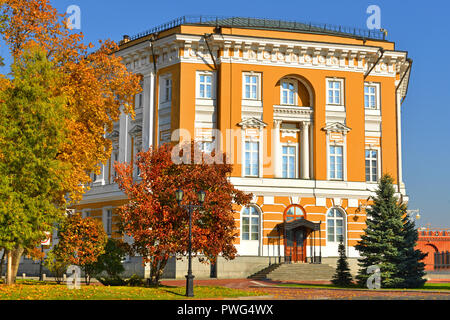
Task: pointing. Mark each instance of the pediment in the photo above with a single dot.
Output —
(336, 127)
(137, 129)
(252, 123)
(113, 135)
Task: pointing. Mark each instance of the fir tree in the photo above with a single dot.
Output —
(382, 242)
(411, 270)
(342, 277)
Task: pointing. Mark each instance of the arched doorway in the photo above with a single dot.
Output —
(431, 249)
(295, 238)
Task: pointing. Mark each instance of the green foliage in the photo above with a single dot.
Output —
(135, 281)
(112, 282)
(111, 262)
(342, 277)
(386, 239)
(32, 128)
(56, 264)
(411, 269)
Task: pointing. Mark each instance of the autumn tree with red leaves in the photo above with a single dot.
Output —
(81, 242)
(159, 227)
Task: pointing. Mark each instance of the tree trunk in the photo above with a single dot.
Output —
(8, 278)
(156, 271)
(16, 254)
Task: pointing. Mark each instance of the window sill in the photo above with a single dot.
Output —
(252, 102)
(335, 107)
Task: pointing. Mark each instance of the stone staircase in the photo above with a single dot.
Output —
(295, 271)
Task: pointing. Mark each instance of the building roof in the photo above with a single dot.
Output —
(267, 24)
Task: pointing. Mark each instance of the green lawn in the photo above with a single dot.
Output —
(46, 291)
(428, 286)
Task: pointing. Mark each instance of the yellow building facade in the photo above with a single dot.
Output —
(309, 116)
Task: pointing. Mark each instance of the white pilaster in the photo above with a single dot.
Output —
(148, 115)
(276, 149)
(305, 151)
(399, 138)
(123, 137)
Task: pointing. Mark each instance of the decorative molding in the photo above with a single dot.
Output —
(337, 127)
(252, 123)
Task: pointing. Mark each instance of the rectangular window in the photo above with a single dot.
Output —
(251, 87)
(370, 96)
(108, 226)
(334, 89)
(289, 162)
(336, 163)
(371, 165)
(251, 159)
(288, 93)
(205, 86)
(167, 92)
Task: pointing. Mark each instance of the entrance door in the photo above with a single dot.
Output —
(295, 245)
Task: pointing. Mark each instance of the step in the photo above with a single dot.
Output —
(301, 271)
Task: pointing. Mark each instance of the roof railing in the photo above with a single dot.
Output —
(220, 21)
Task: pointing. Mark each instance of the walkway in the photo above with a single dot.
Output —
(274, 292)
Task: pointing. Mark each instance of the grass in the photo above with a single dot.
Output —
(428, 286)
(34, 290)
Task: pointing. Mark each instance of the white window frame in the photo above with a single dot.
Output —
(199, 84)
(377, 95)
(335, 168)
(165, 85)
(341, 92)
(295, 92)
(257, 85)
(105, 220)
(259, 215)
(290, 145)
(139, 98)
(252, 152)
(344, 226)
(377, 150)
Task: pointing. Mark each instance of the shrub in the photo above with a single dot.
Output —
(56, 264)
(135, 281)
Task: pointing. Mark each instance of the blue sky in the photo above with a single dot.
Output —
(419, 27)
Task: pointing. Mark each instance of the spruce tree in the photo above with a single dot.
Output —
(411, 270)
(383, 239)
(342, 277)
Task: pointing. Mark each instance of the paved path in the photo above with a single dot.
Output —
(289, 293)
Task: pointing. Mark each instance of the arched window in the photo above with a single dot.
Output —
(288, 92)
(250, 223)
(294, 213)
(335, 225)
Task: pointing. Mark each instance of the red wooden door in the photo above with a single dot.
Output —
(295, 245)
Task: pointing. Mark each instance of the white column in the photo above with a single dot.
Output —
(123, 137)
(305, 151)
(276, 154)
(148, 112)
(399, 141)
(261, 152)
